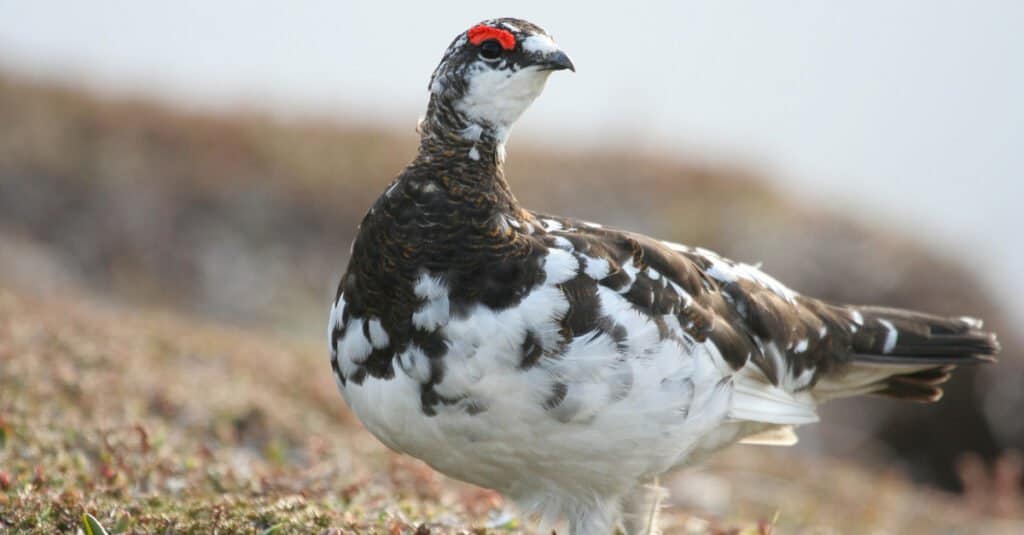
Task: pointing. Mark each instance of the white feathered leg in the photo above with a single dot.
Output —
(599, 519)
(640, 509)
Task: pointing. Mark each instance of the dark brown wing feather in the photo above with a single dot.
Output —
(753, 319)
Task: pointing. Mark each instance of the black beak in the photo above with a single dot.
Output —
(556, 61)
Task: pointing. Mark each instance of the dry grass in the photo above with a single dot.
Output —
(157, 425)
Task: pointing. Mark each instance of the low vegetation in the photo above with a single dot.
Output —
(153, 424)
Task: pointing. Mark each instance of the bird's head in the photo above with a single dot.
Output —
(491, 73)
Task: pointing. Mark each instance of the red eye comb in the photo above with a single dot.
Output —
(480, 33)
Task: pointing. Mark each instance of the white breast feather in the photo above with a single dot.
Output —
(674, 396)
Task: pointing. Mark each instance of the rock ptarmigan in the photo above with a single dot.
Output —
(568, 365)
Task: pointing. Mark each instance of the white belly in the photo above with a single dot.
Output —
(619, 422)
(591, 415)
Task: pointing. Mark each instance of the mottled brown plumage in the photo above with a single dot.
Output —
(567, 364)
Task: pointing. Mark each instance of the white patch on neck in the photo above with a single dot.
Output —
(497, 97)
(474, 154)
(501, 134)
(472, 132)
(499, 152)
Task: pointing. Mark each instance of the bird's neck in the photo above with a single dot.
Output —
(463, 156)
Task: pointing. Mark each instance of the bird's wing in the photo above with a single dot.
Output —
(781, 345)
(749, 316)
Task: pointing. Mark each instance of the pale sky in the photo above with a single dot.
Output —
(910, 111)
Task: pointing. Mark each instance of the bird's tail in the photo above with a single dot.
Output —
(905, 354)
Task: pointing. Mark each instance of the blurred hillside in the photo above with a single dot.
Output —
(247, 220)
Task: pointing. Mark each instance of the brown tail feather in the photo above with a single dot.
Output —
(931, 345)
(900, 336)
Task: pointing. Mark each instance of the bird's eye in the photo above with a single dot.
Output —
(490, 49)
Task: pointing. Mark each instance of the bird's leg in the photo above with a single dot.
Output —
(640, 509)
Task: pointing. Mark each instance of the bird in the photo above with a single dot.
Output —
(569, 365)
